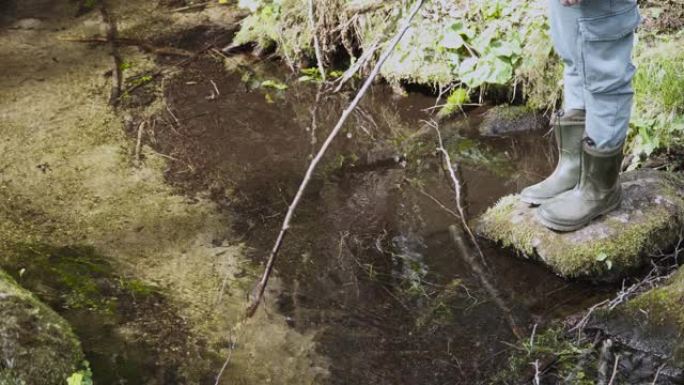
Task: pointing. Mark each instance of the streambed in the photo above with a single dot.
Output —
(369, 264)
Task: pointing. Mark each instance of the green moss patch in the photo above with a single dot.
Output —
(38, 346)
(649, 219)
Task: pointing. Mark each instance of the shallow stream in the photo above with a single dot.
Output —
(369, 262)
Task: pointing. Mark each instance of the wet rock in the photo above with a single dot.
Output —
(36, 345)
(650, 330)
(649, 219)
(505, 119)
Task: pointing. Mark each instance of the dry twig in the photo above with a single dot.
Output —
(457, 190)
(117, 81)
(261, 286)
(317, 44)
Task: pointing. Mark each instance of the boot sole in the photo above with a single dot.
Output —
(569, 228)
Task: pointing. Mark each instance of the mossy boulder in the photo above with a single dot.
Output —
(649, 219)
(37, 346)
(505, 119)
(650, 330)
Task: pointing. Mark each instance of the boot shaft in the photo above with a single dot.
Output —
(600, 170)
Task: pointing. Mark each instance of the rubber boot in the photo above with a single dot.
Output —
(569, 129)
(598, 192)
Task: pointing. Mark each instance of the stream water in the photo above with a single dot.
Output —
(369, 262)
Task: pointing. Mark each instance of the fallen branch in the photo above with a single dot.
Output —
(484, 280)
(168, 51)
(457, 190)
(261, 286)
(117, 80)
(317, 44)
(138, 143)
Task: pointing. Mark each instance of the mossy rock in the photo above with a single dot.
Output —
(650, 330)
(37, 346)
(505, 119)
(649, 219)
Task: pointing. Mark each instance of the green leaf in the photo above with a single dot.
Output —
(452, 40)
(601, 257)
(274, 84)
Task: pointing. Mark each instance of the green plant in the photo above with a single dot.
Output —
(81, 377)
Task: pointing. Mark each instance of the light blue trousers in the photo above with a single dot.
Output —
(595, 41)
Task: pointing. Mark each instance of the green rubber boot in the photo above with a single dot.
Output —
(569, 129)
(598, 192)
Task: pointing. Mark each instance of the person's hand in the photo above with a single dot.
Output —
(569, 3)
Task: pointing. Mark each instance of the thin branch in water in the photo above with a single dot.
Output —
(457, 237)
(261, 286)
(537, 376)
(317, 44)
(655, 379)
(457, 189)
(432, 198)
(615, 370)
(534, 331)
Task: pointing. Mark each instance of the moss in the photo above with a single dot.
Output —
(550, 345)
(610, 249)
(126, 221)
(39, 345)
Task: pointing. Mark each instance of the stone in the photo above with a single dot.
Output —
(506, 119)
(649, 219)
(37, 346)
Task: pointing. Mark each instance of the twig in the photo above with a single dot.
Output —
(615, 368)
(457, 189)
(317, 44)
(191, 7)
(534, 331)
(170, 51)
(261, 287)
(432, 198)
(117, 81)
(456, 236)
(655, 379)
(139, 143)
(536, 372)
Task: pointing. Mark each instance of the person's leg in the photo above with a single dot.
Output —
(606, 39)
(565, 36)
(568, 124)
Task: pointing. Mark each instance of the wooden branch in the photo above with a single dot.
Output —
(457, 190)
(168, 51)
(484, 280)
(261, 286)
(117, 80)
(317, 44)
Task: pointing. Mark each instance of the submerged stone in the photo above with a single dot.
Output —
(649, 219)
(505, 119)
(37, 346)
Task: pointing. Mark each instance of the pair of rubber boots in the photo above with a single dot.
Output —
(585, 183)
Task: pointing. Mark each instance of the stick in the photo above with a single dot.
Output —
(615, 368)
(170, 51)
(317, 44)
(261, 287)
(456, 236)
(139, 143)
(457, 190)
(114, 51)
